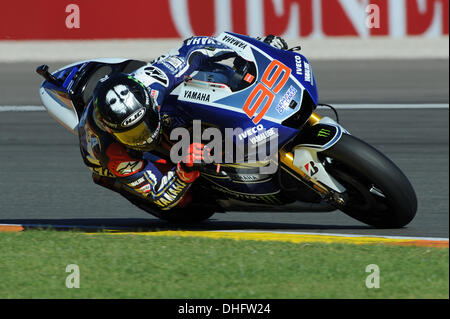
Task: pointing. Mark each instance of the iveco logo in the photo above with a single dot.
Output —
(251, 131)
(133, 118)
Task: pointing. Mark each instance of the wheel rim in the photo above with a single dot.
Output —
(362, 197)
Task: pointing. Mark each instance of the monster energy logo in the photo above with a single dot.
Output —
(323, 133)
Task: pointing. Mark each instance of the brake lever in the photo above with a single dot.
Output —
(297, 48)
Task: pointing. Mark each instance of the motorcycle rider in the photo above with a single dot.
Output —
(122, 130)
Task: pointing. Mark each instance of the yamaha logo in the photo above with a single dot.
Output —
(133, 118)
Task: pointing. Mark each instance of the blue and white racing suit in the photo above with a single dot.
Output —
(146, 175)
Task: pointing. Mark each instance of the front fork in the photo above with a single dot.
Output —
(302, 159)
(314, 119)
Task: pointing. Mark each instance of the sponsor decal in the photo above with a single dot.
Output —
(248, 78)
(198, 96)
(102, 171)
(113, 125)
(323, 133)
(234, 42)
(133, 118)
(157, 74)
(307, 72)
(172, 194)
(127, 168)
(165, 180)
(145, 189)
(245, 177)
(166, 120)
(92, 145)
(263, 136)
(250, 131)
(200, 40)
(286, 100)
(137, 182)
(298, 65)
(216, 85)
(160, 58)
(154, 94)
(182, 19)
(103, 79)
(314, 169)
(150, 177)
(174, 61)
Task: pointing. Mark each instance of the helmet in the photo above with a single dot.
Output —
(124, 108)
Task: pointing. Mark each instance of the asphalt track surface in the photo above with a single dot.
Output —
(43, 179)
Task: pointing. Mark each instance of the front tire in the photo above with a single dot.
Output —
(377, 192)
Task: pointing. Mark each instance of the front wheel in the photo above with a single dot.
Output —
(377, 192)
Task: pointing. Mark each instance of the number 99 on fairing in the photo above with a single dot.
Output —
(266, 90)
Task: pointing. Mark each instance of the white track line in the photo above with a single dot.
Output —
(388, 106)
(333, 234)
(21, 108)
(34, 108)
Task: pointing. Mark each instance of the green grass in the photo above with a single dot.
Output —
(33, 265)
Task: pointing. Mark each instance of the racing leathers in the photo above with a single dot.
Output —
(151, 176)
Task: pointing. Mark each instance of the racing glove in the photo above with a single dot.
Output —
(187, 169)
(276, 42)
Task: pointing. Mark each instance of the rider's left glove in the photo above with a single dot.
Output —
(275, 41)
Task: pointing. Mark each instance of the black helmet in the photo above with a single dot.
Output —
(123, 106)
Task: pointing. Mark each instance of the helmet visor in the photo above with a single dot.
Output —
(140, 137)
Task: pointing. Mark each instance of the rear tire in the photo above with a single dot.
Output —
(378, 193)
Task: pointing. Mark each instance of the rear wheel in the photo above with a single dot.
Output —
(377, 192)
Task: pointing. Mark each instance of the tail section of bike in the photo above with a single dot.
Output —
(66, 91)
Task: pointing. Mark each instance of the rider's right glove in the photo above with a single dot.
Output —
(187, 169)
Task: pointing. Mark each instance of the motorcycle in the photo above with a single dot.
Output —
(273, 96)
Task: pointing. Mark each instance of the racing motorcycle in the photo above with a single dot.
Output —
(272, 95)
